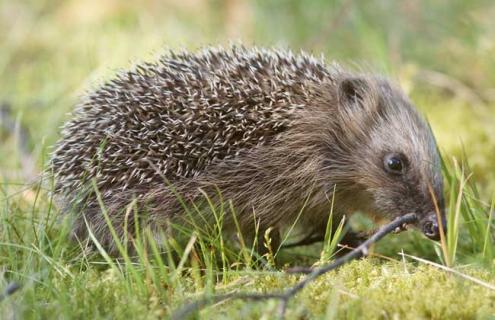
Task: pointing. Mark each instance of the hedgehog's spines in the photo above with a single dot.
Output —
(189, 110)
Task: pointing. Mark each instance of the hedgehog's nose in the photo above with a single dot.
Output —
(430, 226)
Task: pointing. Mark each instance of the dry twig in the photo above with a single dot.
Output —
(451, 270)
(9, 290)
(286, 295)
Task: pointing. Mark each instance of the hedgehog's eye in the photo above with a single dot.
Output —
(394, 163)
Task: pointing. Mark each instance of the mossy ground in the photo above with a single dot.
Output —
(53, 51)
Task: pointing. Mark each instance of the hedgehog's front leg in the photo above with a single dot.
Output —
(351, 239)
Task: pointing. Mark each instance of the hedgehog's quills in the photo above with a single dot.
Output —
(273, 132)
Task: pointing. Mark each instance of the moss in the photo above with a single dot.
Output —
(372, 289)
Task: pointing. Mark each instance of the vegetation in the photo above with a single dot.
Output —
(53, 51)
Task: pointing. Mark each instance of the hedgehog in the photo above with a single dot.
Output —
(283, 137)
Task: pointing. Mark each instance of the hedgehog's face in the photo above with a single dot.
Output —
(396, 163)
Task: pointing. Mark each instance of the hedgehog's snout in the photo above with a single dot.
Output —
(431, 226)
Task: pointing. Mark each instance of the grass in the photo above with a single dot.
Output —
(55, 50)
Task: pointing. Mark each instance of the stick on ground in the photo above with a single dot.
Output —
(9, 290)
(285, 296)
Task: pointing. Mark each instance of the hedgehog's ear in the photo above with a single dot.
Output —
(353, 91)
